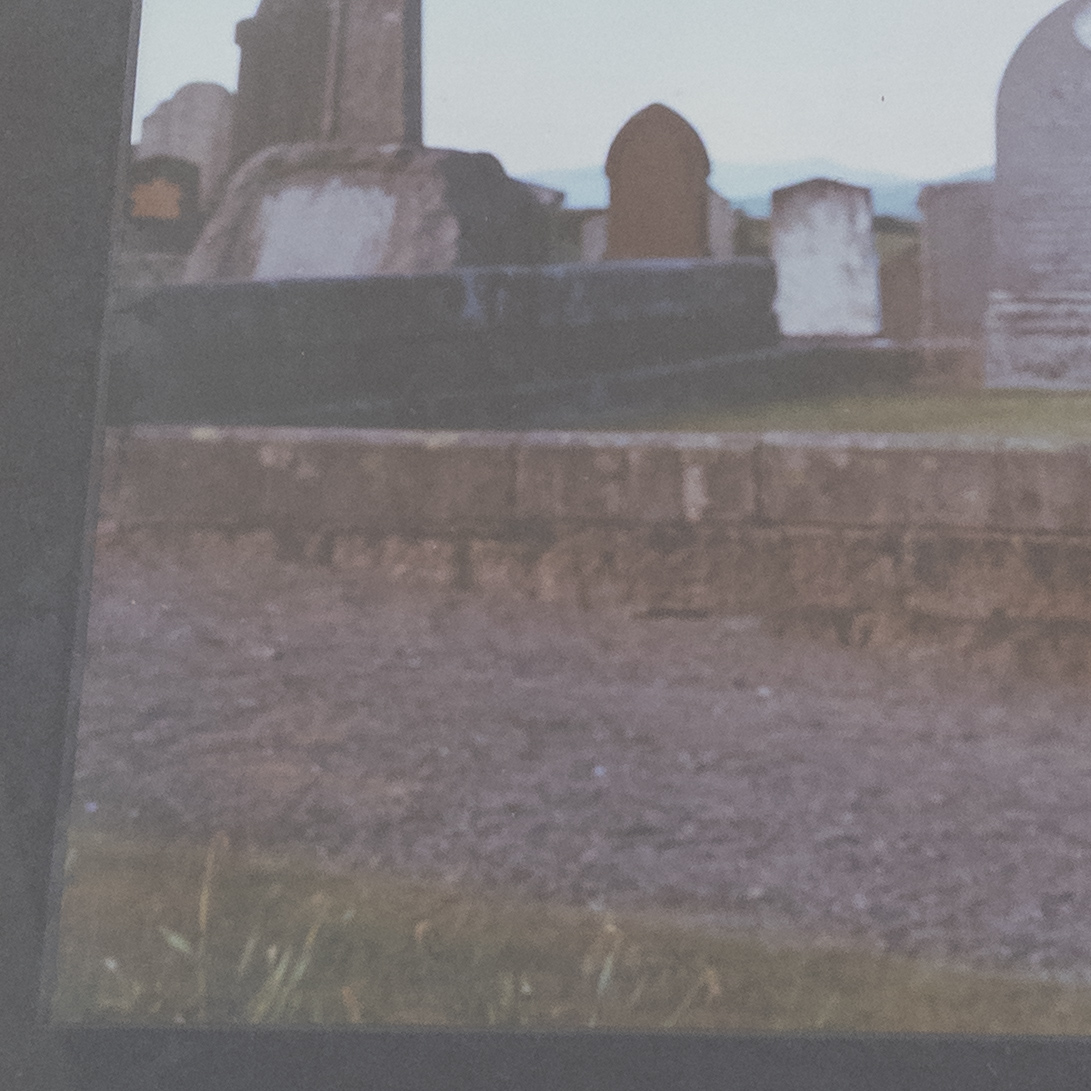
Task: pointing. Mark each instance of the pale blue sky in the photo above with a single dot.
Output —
(907, 88)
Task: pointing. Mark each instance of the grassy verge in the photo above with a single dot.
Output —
(988, 412)
(177, 933)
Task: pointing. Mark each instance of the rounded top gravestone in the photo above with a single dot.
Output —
(657, 167)
(1043, 160)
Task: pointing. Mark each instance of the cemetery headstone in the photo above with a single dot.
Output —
(311, 211)
(1038, 323)
(341, 70)
(823, 245)
(956, 249)
(900, 294)
(194, 124)
(657, 167)
(593, 237)
(163, 203)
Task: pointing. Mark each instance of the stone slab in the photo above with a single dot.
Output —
(822, 243)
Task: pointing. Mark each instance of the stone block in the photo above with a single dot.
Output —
(582, 567)
(872, 480)
(955, 256)
(748, 568)
(451, 485)
(312, 211)
(949, 486)
(567, 477)
(420, 562)
(823, 245)
(356, 551)
(505, 566)
(1042, 489)
(468, 348)
(817, 479)
(719, 484)
(636, 478)
(982, 577)
(192, 477)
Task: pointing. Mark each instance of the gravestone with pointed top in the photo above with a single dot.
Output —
(1038, 324)
(658, 170)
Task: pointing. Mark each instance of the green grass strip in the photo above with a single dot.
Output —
(286, 943)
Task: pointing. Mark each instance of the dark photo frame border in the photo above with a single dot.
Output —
(65, 102)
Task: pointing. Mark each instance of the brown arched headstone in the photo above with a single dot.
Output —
(1039, 316)
(658, 170)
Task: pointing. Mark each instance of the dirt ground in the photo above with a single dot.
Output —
(701, 766)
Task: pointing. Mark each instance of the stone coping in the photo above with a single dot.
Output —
(254, 476)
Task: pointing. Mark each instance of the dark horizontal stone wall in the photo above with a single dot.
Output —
(483, 347)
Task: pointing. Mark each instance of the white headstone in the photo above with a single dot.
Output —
(823, 245)
(956, 247)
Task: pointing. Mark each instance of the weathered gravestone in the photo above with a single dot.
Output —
(900, 293)
(310, 211)
(657, 167)
(340, 70)
(163, 203)
(194, 124)
(1039, 313)
(956, 249)
(823, 245)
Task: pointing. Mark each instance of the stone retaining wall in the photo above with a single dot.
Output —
(473, 347)
(980, 545)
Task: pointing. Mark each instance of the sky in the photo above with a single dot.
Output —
(907, 89)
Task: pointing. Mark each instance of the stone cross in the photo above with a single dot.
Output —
(347, 71)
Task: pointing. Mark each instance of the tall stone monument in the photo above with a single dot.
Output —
(329, 70)
(657, 167)
(823, 244)
(1038, 324)
(331, 179)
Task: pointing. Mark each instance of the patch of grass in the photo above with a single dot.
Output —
(177, 933)
(1038, 414)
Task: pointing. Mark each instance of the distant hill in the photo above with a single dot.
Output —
(749, 186)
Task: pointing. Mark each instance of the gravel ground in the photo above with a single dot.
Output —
(702, 766)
